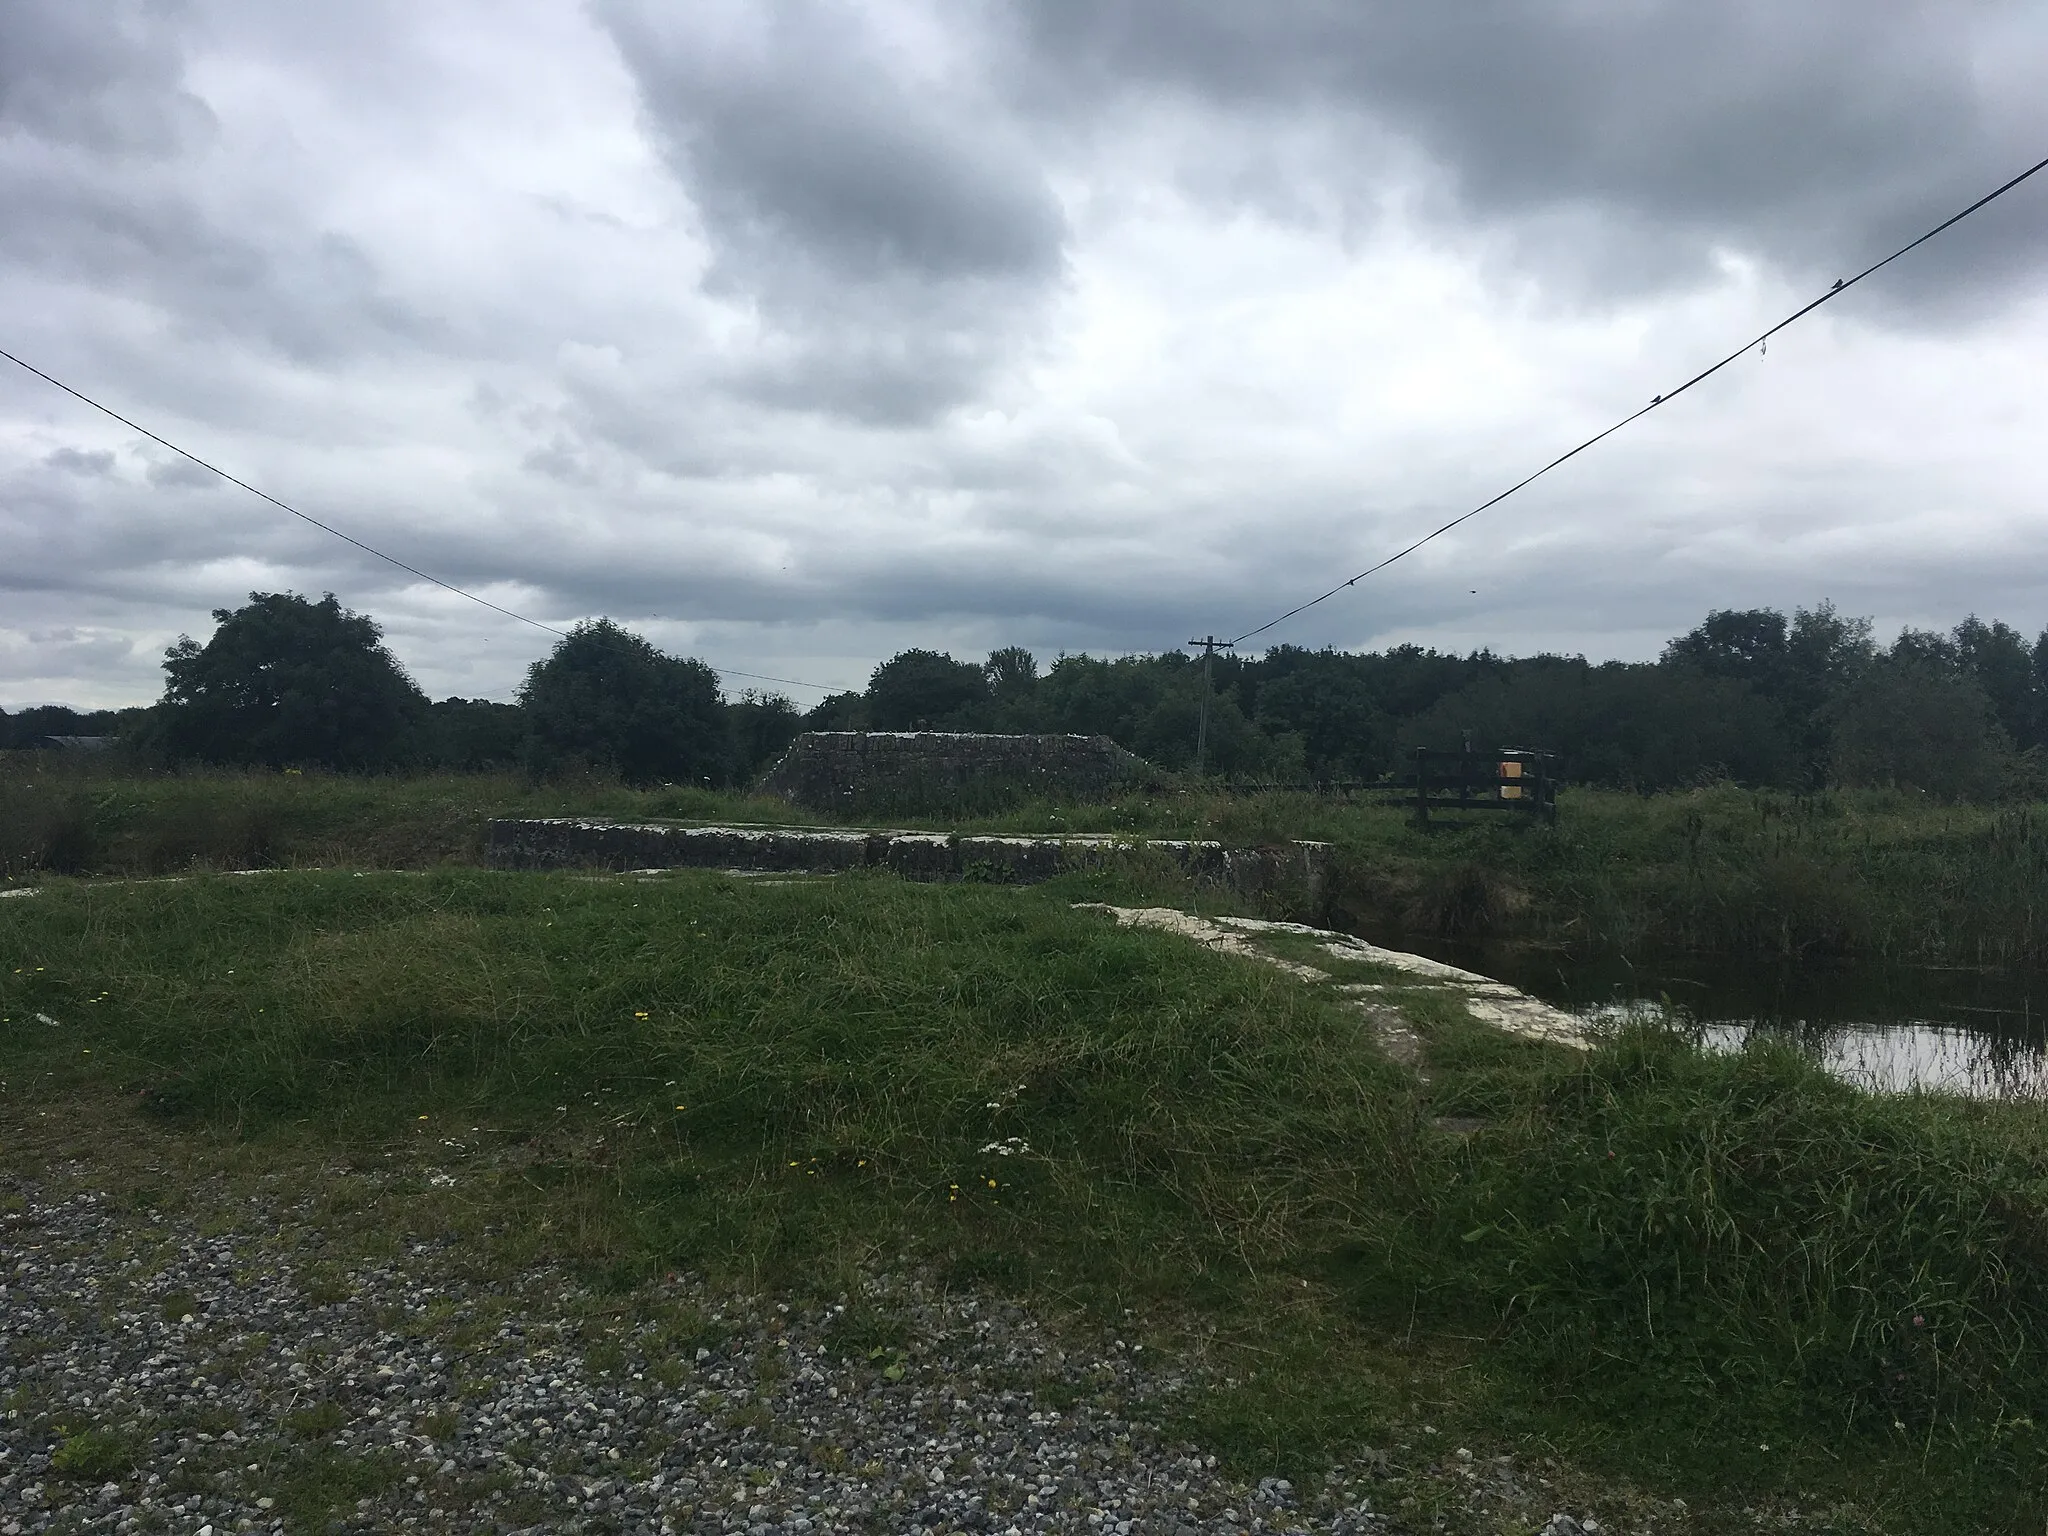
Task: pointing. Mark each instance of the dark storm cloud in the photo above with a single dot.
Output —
(1616, 136)
(894, 230)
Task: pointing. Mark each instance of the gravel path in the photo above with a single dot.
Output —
(158, 1374)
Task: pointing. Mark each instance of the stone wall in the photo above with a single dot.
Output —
(914, 772)
(1287, 875)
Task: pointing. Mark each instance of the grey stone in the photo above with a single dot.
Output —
(1290, 873)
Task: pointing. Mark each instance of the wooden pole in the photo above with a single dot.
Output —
(1209, 645)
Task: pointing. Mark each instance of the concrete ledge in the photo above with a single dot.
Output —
(1292, 871)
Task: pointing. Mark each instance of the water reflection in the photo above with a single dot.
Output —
(1907, 1054)
(1886, 1028)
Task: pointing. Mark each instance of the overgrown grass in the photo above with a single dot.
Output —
(1874, 875)
(1744, 1245)
(1648, 1259)
(83, 816)
(1870, 876)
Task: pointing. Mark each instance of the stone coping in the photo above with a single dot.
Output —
(574, 842)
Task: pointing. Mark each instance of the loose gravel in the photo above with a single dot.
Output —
(158, 1374)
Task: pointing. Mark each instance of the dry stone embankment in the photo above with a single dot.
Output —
(1293, 872)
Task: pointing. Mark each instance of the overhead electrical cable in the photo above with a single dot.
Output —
(446, 586)
(1841, 286)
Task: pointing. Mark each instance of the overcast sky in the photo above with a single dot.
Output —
(795, 334)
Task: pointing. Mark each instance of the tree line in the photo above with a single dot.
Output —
(1752, 696)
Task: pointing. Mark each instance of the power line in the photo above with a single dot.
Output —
(756, 677)
(1840, 287)
(446, 586)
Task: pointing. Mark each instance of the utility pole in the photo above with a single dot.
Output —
(1209, 646)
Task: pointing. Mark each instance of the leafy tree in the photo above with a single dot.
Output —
(1624, 725)
(1152, 705)
(1799, 667)
(606, 698)
(1012, 674)
(923, 690)
(288, 682)
(1236, 748)
(1910, 722)
(472, 735)
(33, 727)
(1326, 701)
(1927, 647)
(1998, 658)
(1749, 644)
(1408, 679)
(1825, 652)
(1107, 698)
(838, 712)
(763, 726)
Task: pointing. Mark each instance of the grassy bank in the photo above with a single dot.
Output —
(1724, 1278)
(83, 816)
(1871, 876)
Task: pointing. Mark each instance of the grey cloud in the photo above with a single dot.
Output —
(180, 475)
(79, 461)
(107, 77)
(894, 354)
(310, 295)
(112, 538)
(1814, 134)
(73, 646)
(872, 215)
(896, 234)
(109, 174)
(561, 461)
(804, 134)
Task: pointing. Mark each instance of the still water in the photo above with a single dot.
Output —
(1973, 1031)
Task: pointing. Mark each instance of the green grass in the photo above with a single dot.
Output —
(1303, 950)
(81, 816)
(92, 1455)
(1646, 1262)
(1874, 876)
